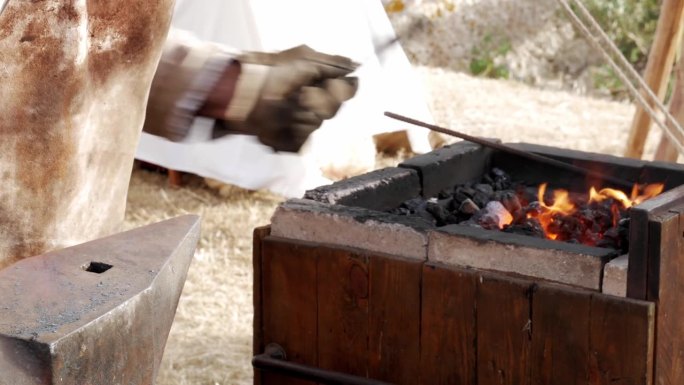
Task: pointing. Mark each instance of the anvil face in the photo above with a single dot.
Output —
(95, 313)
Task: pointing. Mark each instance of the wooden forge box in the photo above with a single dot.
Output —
(353, 292)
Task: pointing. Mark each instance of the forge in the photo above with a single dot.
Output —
(395, 268)
(370, 202)
(95, 313)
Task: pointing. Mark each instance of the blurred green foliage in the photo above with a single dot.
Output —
(483, 62)
(631, 25)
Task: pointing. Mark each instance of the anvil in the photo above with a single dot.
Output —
(96, 313)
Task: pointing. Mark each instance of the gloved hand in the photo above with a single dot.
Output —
(302, 88)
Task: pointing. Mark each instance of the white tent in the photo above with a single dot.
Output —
(353, 28)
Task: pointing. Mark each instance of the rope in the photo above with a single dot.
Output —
(626, 72)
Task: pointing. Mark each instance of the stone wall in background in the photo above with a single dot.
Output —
(526, 40)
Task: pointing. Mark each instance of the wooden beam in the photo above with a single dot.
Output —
(657, 74)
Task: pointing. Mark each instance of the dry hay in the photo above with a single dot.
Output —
(515, 112)
(211, 337)
(210, 341)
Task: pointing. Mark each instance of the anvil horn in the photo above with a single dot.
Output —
(96, 313)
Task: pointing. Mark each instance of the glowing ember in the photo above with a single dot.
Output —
(507, 219)
(502, 216)
(499, 203)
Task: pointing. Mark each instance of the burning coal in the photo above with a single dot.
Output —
(596, 218)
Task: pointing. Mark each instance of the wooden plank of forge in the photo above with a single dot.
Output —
(637, 270)
(661, 231)
(289, 303)
(667, 292)
(621, 341)
(258, 346)
(394, 328)
(342, 311)
(640, 252)
(658, 70)
(503, 331)
(560, 338)
(447, 330)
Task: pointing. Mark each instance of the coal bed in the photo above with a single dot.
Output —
(496, 202)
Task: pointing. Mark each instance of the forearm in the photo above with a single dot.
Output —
(193, 78)
(221, 94)
(234, 97)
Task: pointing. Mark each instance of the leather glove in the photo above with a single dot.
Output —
(301, 89)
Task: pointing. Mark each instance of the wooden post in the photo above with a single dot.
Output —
(667, 151)
(657, 74)
(175, 178)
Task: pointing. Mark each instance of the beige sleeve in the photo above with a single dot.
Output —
(188, 70)
(247, 90)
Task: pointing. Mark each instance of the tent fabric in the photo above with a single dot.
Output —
(353, 28)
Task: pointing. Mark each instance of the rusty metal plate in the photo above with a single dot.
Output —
(96, 313)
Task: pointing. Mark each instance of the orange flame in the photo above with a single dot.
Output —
(649, 192)
(562, 205)
(635, 198)
(561, 201)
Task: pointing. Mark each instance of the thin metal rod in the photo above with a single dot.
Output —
(267, 363)
(504, 148)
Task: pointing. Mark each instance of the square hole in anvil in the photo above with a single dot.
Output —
(96, 267)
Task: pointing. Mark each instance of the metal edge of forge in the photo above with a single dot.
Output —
(95, 313)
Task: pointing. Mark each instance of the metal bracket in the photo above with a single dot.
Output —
(274, 359)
